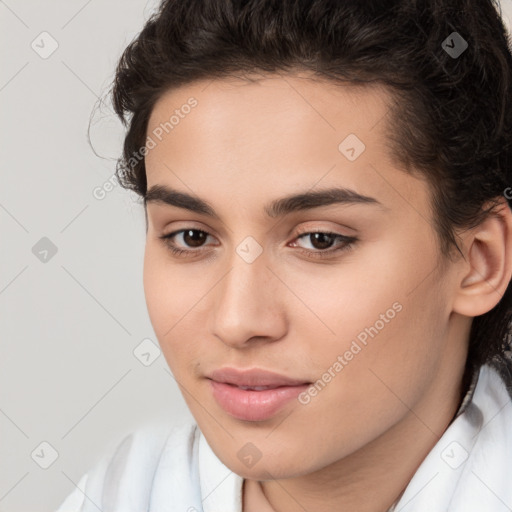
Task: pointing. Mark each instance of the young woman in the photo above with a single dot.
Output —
(328, 260)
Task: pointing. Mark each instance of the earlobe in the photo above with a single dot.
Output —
(488, 267)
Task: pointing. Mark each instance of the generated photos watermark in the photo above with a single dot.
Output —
(356, 347)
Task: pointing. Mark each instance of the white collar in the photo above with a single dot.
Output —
(221, 488)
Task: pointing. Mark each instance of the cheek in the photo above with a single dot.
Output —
(166, 298)
(158, 290)
(387, 344)
(376, 312)
(174, 300)
(341, 301)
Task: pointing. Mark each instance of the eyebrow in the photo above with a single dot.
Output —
(277, 208)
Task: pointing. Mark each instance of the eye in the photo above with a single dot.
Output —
(191, 237)
(322, 242)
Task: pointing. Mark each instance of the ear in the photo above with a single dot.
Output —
(487, 270)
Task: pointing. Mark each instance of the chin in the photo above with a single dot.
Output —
(263, 472)
(271, 467)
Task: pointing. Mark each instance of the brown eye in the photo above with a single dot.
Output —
(321, 241)
(194, 237)
(191, 242)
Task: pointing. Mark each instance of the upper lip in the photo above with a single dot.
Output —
(253, 377)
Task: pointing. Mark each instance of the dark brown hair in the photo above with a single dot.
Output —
(451, 116)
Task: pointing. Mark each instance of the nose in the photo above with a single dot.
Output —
(247, 305)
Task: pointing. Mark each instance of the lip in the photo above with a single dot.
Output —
(254, 377)
(252, 405)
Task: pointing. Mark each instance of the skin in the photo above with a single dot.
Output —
(243, 145)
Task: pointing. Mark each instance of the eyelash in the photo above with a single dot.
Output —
(348, 242)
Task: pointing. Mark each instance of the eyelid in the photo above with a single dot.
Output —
(322, 229)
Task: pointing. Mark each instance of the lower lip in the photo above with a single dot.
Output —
(253, 405)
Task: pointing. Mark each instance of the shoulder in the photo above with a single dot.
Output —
(125, 473)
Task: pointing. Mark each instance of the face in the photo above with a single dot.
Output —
(342, 291)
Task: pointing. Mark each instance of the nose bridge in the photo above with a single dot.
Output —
(246, 286)
(247, 300)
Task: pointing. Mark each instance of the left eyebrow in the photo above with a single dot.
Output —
(277, 208)
(315, 199)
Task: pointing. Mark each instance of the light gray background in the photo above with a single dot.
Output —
(69, 325)
(68, 375)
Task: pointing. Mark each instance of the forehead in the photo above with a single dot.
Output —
(275, 133)
(285, 118)
(283, 99)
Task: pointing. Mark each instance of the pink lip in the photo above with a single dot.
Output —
(253, 377)
(252, 405)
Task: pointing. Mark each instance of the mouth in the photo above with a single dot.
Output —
(254, 395)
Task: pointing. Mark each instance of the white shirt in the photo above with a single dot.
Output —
(158, 468)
